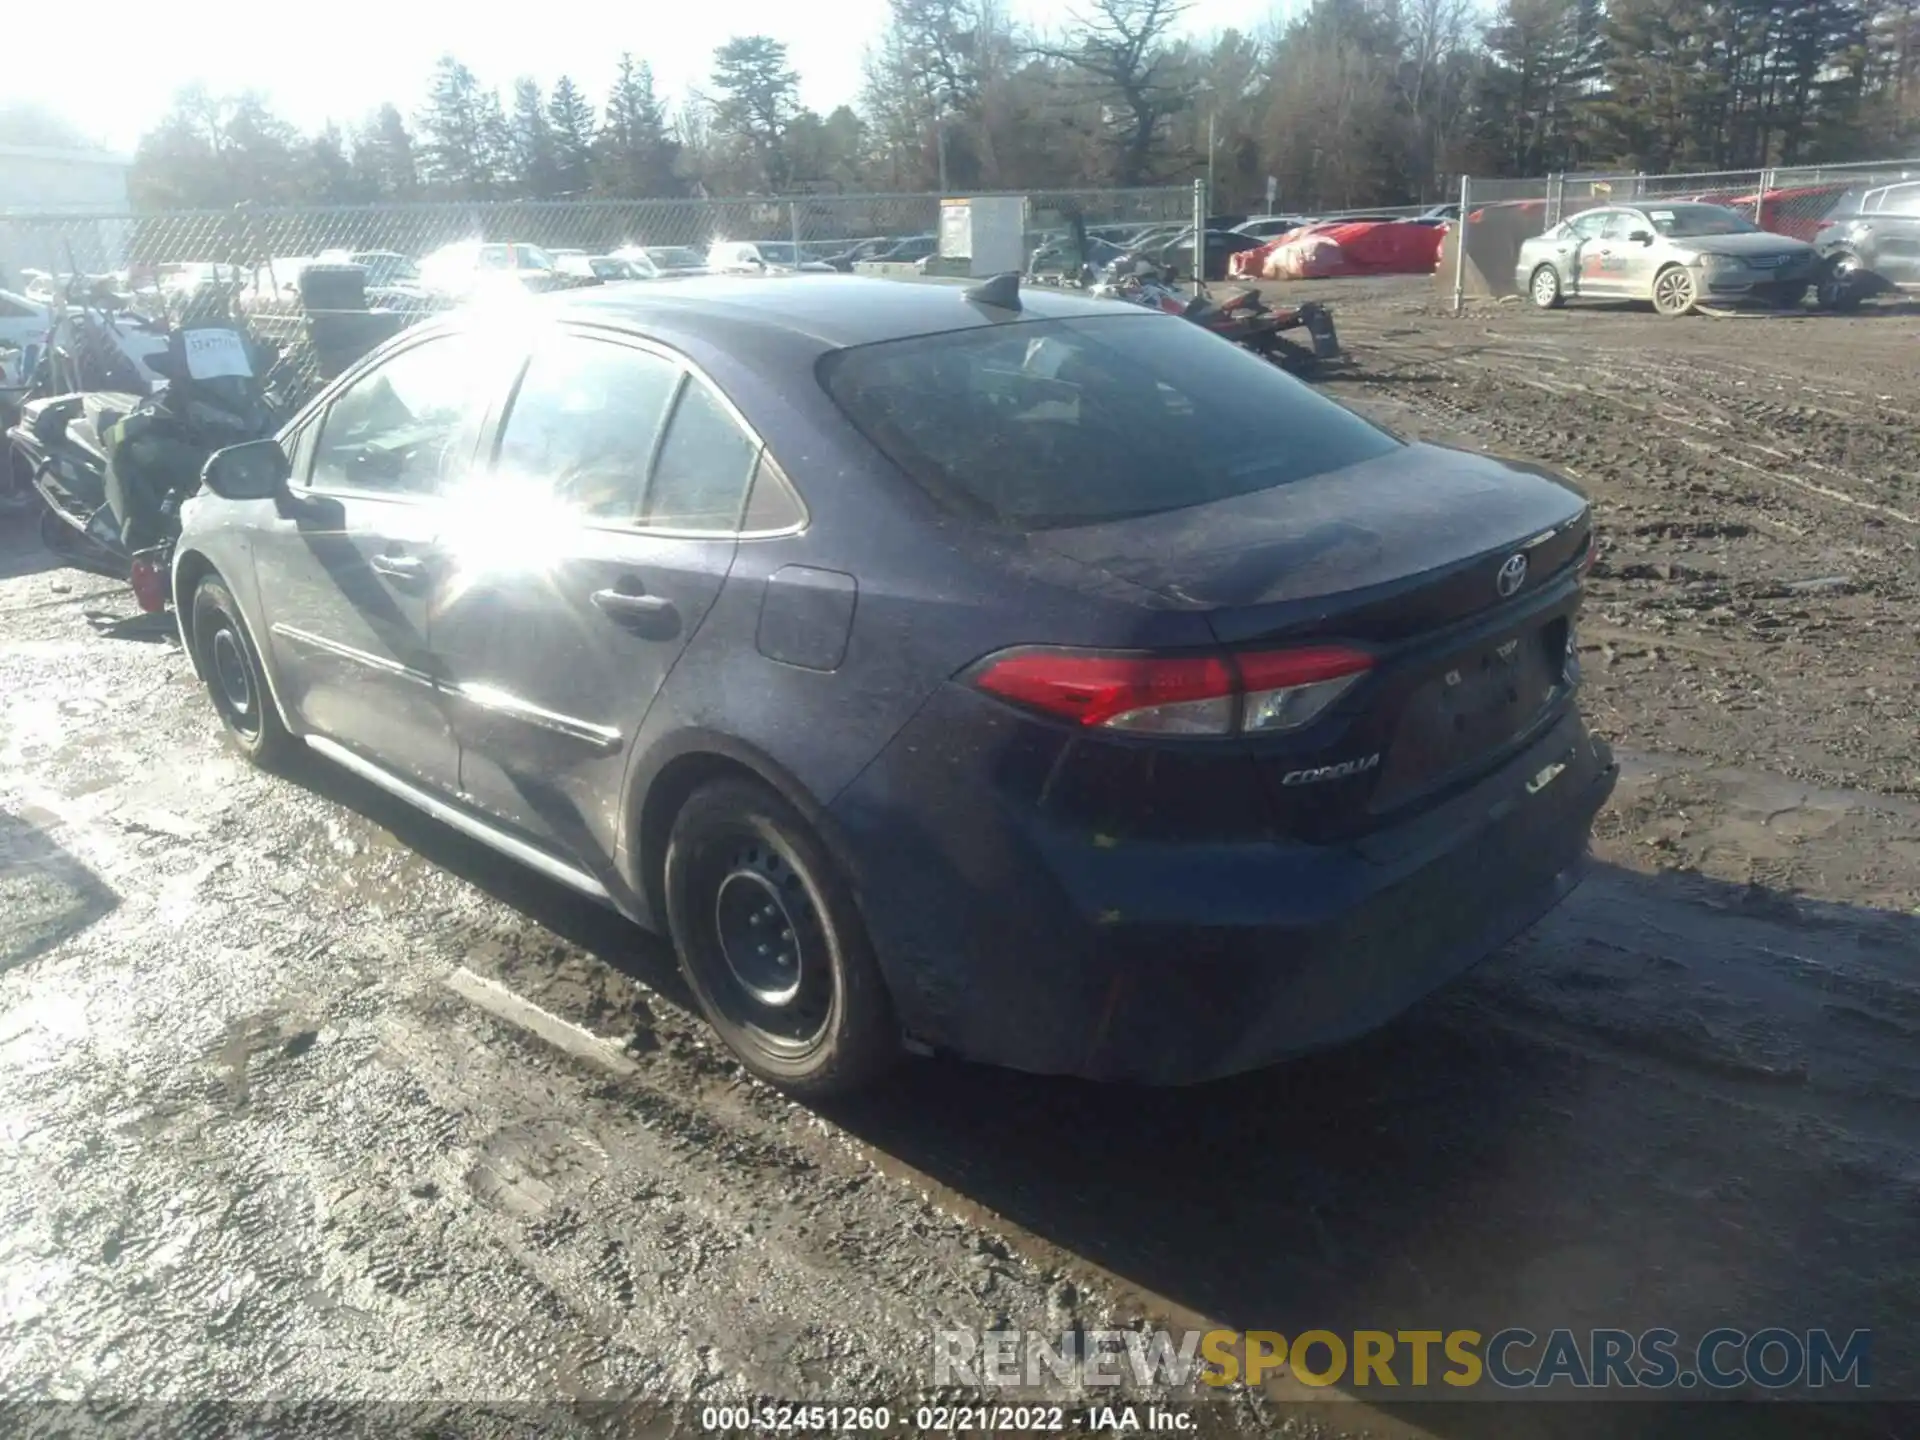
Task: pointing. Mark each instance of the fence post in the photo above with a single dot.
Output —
(1768, 183)
(793, 227)
(1460, 246)
(1199, 234)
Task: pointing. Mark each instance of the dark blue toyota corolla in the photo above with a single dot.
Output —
(1049, 683)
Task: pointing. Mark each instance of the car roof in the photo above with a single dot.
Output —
(836, 311)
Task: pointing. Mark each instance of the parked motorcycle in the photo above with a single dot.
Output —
(1241, 316)
(207, 392)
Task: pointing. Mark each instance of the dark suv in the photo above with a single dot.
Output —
(1870, 243)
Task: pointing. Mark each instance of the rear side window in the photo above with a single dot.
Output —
(1074, 422)
(700, 478)
(1901, 200)
(585, 420)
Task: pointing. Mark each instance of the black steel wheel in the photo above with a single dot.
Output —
(771, 942)
(235, 680)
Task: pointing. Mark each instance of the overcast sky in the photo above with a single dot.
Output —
(112, 66)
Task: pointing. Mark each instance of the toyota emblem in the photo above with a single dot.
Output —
(1513, 574)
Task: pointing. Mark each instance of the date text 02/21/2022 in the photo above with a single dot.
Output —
(939, 1419)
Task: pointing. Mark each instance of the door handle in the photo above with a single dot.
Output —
(623, 606)
(401, 569)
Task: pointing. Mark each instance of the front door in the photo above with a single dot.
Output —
(346, 569)
(580, 562)
(1630, 263)
(1599, 257)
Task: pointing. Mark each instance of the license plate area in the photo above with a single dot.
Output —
(1482, 701)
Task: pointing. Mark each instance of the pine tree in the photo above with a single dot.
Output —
(329, 177)
(535, 162)
(570, 122)
(637, 155)
(759, 100)
(462, 134)
(383, 157)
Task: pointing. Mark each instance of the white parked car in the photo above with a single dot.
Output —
(758, 257)
(23, 322)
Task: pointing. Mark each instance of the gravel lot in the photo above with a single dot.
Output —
(305, 1096)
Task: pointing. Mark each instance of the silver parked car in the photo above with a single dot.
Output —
(1678, 256)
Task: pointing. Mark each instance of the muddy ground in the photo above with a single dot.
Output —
(304, 1096)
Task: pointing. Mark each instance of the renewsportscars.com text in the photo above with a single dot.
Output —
(1771, 1358)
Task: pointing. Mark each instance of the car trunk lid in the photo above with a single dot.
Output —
(1457, 572)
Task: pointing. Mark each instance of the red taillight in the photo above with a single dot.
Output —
(1591, 553)
(1175, 694)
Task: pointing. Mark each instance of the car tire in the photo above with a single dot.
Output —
(1543, 288)
(235, 678)
(805, 1007)
(1674, 293)
(1837, 289)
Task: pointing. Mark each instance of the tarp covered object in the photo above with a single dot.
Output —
(1364, 247)
(1493, 235)
(1797, 211)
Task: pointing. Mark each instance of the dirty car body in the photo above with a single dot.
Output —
(1162, 717)
(1622, 253)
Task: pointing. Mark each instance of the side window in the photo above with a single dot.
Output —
(1621, 224)
(700, 478)
(1901, 200)
(585, 419)
(395, 430)
(1589, 225)
(773, 504)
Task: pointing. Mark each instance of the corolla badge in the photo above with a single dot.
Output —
(1513, 574)
(1331, 772)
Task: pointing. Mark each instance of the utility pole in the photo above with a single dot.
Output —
(1212, 113)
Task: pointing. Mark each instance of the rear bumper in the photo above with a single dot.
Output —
(1011, 943)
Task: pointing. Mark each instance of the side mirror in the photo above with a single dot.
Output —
(256, 470)
(1641, 237)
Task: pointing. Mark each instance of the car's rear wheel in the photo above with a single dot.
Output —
(772, 943)
(1673, 291)
(1544, 287)
(236, 680)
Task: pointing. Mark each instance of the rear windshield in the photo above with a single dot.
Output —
(1073, 422)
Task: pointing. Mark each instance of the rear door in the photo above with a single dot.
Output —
(582, 560)
(346, 568)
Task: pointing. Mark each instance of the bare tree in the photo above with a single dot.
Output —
(1125, 52)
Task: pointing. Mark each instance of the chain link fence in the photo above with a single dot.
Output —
(419, 259)
(1499, 215)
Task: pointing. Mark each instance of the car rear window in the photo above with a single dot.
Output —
(1054, 423)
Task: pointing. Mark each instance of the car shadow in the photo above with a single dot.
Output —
(21, 551)
(1593, 1129)
(45, 894)
(595, 928)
